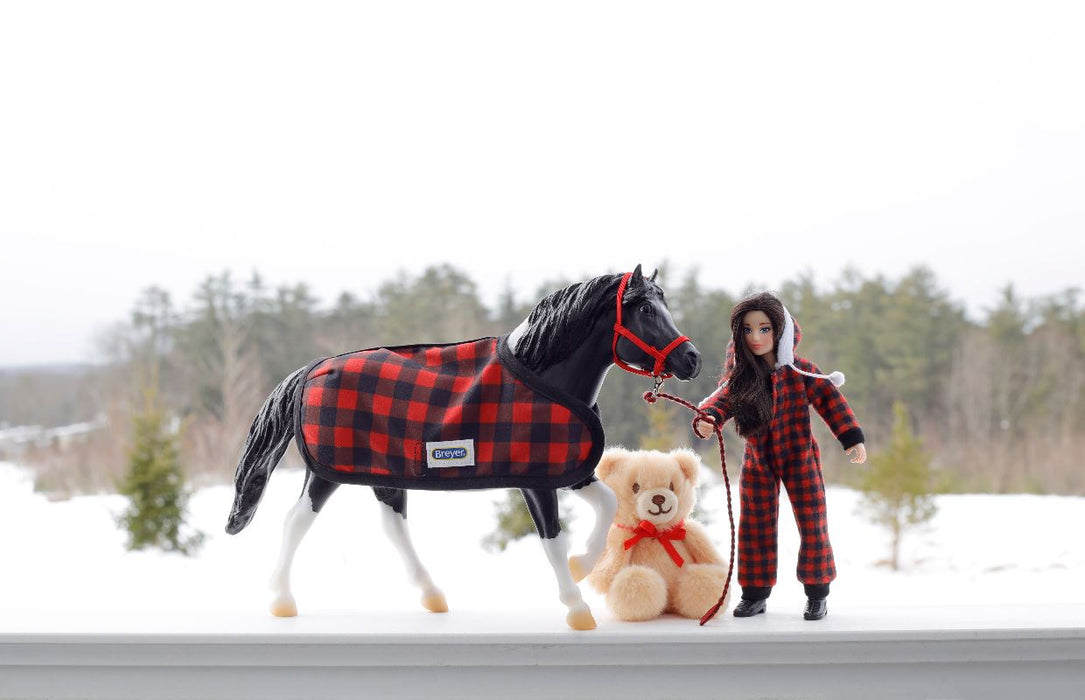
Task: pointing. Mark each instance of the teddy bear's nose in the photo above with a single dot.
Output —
(658, 499)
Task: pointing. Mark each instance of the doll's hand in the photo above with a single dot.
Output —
(708, 425)
(857, 454)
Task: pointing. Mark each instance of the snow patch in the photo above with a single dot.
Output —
(70, 556)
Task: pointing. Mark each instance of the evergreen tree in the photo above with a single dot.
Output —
(439, 306)
(704, 315)
(897, 487)
(510, 311)
(664, 430)
(350, 325)
(155, 487)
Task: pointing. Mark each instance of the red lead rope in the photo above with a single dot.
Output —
(652, 397)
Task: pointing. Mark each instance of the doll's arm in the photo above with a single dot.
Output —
(715, 406)
(700, 548)
(714, 403)
(832, 407)
(615, 558)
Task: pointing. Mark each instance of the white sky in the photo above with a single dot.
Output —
(336, 143)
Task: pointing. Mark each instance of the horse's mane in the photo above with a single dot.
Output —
(563, 319)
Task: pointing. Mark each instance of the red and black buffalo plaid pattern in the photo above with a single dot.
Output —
(787, 453)
(365, 418)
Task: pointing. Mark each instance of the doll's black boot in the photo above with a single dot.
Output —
(753, 601)
(817, 606)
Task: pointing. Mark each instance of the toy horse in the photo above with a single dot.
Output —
(517, 411)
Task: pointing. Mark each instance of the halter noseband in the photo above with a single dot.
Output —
(623, 332)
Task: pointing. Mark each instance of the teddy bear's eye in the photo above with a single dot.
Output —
(671, 487)
(636, 487)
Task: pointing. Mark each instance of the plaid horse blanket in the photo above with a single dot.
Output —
(444, 417)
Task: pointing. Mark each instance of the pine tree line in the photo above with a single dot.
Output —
(996, 401)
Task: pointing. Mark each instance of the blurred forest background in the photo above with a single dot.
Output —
(996, 401)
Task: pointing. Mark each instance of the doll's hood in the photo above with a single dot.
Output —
(789, 341)
(785, 356)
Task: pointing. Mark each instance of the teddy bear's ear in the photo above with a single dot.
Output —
(688, 462)
(610, 461)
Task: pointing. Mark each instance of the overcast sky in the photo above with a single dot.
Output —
(149, 143)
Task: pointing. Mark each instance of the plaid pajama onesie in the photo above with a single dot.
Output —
(788, 453)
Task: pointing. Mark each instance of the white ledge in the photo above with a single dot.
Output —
(979, 652)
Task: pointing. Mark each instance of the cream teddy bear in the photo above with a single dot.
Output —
(655, 560)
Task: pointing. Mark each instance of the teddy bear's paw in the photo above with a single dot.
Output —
(698, 589)
(637, 593)
(580, 618)
(580, 566)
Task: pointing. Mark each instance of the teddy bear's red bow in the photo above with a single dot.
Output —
(647, 529)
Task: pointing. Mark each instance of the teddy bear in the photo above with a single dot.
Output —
(656, 561)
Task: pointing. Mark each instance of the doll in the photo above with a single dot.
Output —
(768, 390)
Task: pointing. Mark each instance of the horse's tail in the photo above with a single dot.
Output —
(268, 439)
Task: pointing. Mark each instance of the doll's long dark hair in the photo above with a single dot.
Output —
(749, 394)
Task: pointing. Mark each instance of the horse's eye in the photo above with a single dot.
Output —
(646, 308)
(636, 487)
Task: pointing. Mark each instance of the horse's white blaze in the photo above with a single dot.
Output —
(298, 521)
(395, 526)
(557, 551)
(605, 504)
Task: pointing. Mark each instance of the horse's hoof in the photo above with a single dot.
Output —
(435, 602)
(580, 619)
(284, 607)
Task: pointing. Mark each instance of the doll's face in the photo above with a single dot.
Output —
(758, 332)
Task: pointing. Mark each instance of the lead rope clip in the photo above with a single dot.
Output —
(653, 395)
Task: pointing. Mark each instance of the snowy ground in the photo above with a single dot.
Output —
(69, 555)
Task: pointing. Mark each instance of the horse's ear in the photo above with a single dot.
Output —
(638, 276)
(653, 277)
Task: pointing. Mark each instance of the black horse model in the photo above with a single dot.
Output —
(512, 412)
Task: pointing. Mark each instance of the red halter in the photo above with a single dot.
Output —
(621, 331)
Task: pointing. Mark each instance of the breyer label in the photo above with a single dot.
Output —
(450, 453)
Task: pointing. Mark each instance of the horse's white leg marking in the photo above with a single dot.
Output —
(395, 526)
(579, 617)
(605, 504)
(297, 523)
